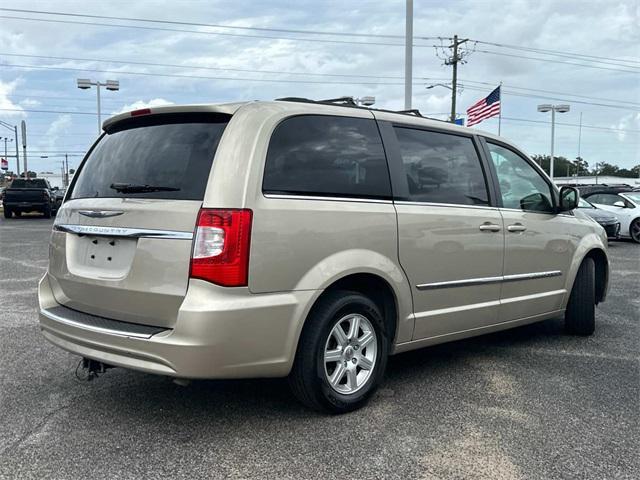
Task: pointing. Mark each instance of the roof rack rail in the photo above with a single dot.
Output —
(349, 102)
(413, 111)
(341, 101)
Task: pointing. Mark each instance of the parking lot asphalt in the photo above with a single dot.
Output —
(526, 403)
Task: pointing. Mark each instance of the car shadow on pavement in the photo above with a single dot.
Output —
(134, 395)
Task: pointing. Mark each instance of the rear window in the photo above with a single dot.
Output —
(327, 156)
(35, 183)
(171, 152)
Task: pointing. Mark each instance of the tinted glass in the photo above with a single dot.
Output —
(582, 203)
(173, 155)
(605, 198)
(441, 168)
(521, 186)
(34, 183)
(634, 196)
(324, 155)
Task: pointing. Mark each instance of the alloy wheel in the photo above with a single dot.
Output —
(350, 354)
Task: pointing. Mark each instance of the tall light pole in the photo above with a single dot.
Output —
(553, 109)
(15, 133)
(6, 139)
(112, 85)
(408, 56)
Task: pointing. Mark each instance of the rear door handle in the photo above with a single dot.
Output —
(516, 227)
(489, 227)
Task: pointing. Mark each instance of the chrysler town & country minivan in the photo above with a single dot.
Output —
(307, 240)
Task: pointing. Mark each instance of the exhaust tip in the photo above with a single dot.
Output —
(183, 382)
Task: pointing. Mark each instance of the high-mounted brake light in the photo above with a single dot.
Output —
(221, 247)
(142, 111)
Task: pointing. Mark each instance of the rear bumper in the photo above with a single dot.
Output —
(25, 205)
(219, 333)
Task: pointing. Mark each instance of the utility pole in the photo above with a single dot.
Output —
(453, 61)
(408, 56)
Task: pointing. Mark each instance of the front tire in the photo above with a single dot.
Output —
(634, 230)
(342, 353)
(580, 316)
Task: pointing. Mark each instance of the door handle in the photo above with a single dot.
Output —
(489, 227)
(516, 227)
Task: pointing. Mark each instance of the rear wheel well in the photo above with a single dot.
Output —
(602, 264)
(375, 288)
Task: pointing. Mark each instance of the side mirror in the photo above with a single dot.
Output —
(620, 204)
(569, 197)
(55, 188)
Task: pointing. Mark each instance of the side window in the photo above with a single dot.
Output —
(441, 168)
(325, 155)
(521, 186)
(605, 198)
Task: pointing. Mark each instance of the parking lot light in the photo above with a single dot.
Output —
(547, 107)
(111, 85)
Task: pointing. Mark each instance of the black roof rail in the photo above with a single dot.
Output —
(349, 102)
(413, 111)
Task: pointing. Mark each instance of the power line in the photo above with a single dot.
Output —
(556, 52)
(493, 84)
(533, 121)
(594, 127)
(121, 100)
(528, 95)
(227, 34)
(199, 67)
(558, 61)
(210, 25)
(197, 77)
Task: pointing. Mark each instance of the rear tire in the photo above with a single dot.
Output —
(346, 382)
(634, 230)
(7, 212)
(47, 212)
(580, 316)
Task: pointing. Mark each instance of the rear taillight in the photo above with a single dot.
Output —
(221, 247)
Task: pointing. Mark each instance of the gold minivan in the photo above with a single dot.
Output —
(309, 240)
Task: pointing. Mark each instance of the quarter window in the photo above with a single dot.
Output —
(327, 156)
(441, 168)
(521, 186)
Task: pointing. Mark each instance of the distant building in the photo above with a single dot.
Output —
(599, 180)
(55, 179)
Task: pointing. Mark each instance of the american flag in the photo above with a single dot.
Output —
(486, 108)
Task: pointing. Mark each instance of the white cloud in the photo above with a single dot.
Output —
(137, 105)
(628, 122)
(7, 107)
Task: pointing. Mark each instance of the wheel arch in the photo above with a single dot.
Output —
(601, 262)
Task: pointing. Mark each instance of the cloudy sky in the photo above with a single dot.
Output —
(585, 53)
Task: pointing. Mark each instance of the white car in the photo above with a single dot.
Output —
(626, 206)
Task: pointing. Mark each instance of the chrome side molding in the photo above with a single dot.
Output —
(488, 280)
(123, 232)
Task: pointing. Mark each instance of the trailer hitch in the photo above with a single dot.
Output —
(89, 369)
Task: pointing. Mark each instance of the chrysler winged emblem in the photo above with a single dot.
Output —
(100, 213)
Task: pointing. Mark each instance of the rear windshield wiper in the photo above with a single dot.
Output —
(135, 188)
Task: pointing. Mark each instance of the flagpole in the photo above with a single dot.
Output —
(500, 112)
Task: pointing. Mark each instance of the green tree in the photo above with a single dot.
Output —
(562, 166)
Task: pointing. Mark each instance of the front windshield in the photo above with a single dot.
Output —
(582, 203)
(634, 197)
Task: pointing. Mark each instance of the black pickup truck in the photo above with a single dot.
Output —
(32, 195)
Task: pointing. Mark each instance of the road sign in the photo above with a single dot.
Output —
(4, 164)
